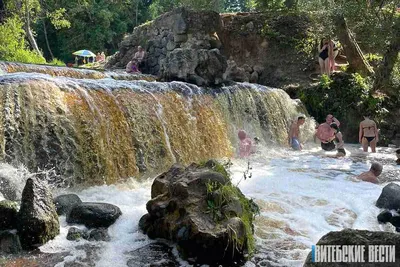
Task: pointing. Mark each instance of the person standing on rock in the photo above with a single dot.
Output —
(368, 134)
(371, 175)
(294, 132)
(139, 57)
(326, 134)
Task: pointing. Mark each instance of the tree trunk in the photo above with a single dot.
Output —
(28, 30)
(390, 57)
(47, 40)
(355, 57)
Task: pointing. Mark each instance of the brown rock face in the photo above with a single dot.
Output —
(182, 210)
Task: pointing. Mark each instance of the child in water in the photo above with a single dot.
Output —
(245, 144)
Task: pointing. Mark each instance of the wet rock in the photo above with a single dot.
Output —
(384, 216)
(187, 208)
(37, 217)
(99, 234)
(155, 254)
(390, 197)
(74, 233)
(235, 73)
(64, 203)
(9, 243)
(356, 237)
(93, 214)
(395, 221)
(8, 214)
(9, 189)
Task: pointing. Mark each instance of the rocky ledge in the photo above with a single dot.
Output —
(198, 208)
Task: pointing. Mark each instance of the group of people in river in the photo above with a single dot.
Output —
(331, 138)
(135, 63)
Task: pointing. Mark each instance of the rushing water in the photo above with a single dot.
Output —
(108, 127)
(302, 196)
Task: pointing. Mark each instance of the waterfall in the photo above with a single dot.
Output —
(99, 127)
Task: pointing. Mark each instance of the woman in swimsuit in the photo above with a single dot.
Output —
(323, 57)
(368, 134)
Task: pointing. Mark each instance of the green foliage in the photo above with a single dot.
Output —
(56, 62)
(219, 195)
(57, 18)
(347, 96)
(12, 44)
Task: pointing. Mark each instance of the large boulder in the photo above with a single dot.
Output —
(64, 203)
(155, 254)
(197, 207)
(356, 237)
(390, 197)
(37, 217)
(199, 66)
(8, 211)
(93, 214)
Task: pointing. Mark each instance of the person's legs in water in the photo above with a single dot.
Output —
(364, 144)
(295, 143)
(335, 53)
(372, 144)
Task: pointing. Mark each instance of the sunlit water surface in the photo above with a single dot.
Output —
(302, 196)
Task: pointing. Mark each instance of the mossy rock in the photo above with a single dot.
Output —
(8, 211)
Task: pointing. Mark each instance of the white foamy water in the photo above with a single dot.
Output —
(302, 196)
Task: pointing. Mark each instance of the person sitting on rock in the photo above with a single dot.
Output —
(245, 144)
(398, 156)
(132, 67)
(139, 56)
(371, 175)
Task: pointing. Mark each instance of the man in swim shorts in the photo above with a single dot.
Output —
(326, 134)
(294, 132)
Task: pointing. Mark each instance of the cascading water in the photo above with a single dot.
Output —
(96, 131)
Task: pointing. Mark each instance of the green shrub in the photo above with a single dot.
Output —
(12, 43)
(56, 62)
(348, 97)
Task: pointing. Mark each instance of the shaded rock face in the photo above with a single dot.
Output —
(155, 254)
(64, 203)
(9, 243)
(357, 237)
(180, 211)
(390, 197)
(37, 217)
(8, 214)
(180, 45)
(93, 214)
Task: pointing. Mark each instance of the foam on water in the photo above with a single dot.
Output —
(302, 196)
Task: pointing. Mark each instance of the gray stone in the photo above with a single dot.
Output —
(8, 217)
(171, 46)
(9, 243)
(75, 233)
(37, 217)
(152, 255)
(254, 77)
(390, 197)
(93, 214)
(9, 189)
(64, 203)
(99, 234)
(180, 38)
(258, 68)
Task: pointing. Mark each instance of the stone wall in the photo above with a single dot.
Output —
(180, 45)
(206, 48)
